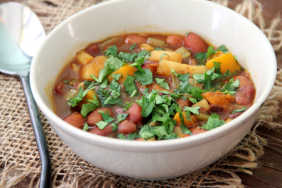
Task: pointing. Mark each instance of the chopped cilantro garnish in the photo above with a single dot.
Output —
(185, 130)
(202, 57)
(129, 84)
(131, 136)
(66, 81)
(133, 94)
(163, 56)
(194, 110)
(187, 33)
(213, 122)
(112, 50)
(193, 100)
(145, 78)
(73, 102)
(162, 83)
(85, 127)
(120, 118)
(230, 86)
(116, 76)
(101, 124)
(88, 107)
(121, 136)
(106, 116)
(239, 110)
(132, 47)
(157, 48)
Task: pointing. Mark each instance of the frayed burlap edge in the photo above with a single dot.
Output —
(19, 158)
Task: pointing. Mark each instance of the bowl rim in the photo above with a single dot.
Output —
(161, 144)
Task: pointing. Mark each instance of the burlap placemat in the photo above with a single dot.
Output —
(19, 158)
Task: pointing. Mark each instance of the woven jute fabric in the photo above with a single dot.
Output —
(19, 158)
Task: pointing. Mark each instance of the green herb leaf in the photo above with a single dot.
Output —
(201, 58)
(210, 51)
(106, 116)
(116, 76)
(112, 50)
(187, 33)
(85, 127)
(185, 130)
(157, 48)
(163, 55)
(145, 78)
(101, 124)
(193, 100)
(114, 63)
(132, 47)
(239, 110)
(66, 81)
(194, 110)
(121, 136)
(213, 122)
(129, 84)
(86, 108)
(131, 136)
(133, 94)
(162, 83)
(230, 86)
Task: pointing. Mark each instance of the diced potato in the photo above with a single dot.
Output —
(152, 139)
(165, 67)
(203, 103)
(155, 42)
(194, 83)
(171, 56)
(228, 120)
(75, 67)
(71, 94)
(124, 71)
(89, 96)
(146, 47)
(84, 57)
(188, 123)
(93, 68)
(178, 131)
(202, 117)
(227, 61)
(183, 51)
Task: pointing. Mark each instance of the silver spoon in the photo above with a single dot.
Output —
(21, 33)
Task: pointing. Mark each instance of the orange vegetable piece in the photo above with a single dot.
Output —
(218, 98)
(188, 123)
(124, 71)
(93, 68)
(227, 61)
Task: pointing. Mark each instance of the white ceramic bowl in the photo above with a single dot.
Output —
(160, 159)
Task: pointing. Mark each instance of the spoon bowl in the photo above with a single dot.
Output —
(21, 34)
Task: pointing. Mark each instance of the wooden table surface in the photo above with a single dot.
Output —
(269, 172)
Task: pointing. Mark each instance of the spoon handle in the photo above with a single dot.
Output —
(39, 134)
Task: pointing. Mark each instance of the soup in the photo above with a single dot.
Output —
(148, 87)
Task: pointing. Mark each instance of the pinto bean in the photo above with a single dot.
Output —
(106, 131)
(126, 127)
(175, 40)
(245, 95)
(59, 88)
(195, 43)
(234, 115)
(182, 103)
(92, 50)
(75, 119)
(94, 117)
(135, 39)
(152, 65)
(197, 130)
(243, 81)
(134, 113)
(216, 108)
